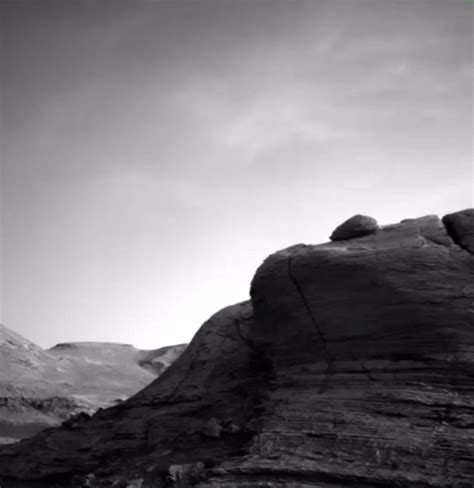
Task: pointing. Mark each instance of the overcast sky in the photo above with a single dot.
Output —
(155, 152)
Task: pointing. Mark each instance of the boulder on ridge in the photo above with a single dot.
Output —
(356, 226)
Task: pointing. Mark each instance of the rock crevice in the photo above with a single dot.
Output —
(307, 307)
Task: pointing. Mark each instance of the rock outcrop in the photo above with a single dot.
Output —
(351, 365)
(460, 228)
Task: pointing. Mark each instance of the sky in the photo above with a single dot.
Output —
(153, 153)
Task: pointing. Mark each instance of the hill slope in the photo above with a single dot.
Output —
(41, 388)
(351, 365)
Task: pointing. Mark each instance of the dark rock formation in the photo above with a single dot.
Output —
(351, 366)
(356, 226)
(461, 228)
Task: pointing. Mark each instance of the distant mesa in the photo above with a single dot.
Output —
(65, 345)
(42, 388)
(91, 345)
(356, 226)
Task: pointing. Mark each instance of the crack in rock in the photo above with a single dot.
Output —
(328, 357)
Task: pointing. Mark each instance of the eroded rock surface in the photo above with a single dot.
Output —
(352, 365)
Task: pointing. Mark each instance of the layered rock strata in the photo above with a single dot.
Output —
(351, 365)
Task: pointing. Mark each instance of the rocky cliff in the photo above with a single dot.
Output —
(351, 365)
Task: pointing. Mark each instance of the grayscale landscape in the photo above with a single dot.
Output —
(350, 365)
(236, 244)
(42, 388)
